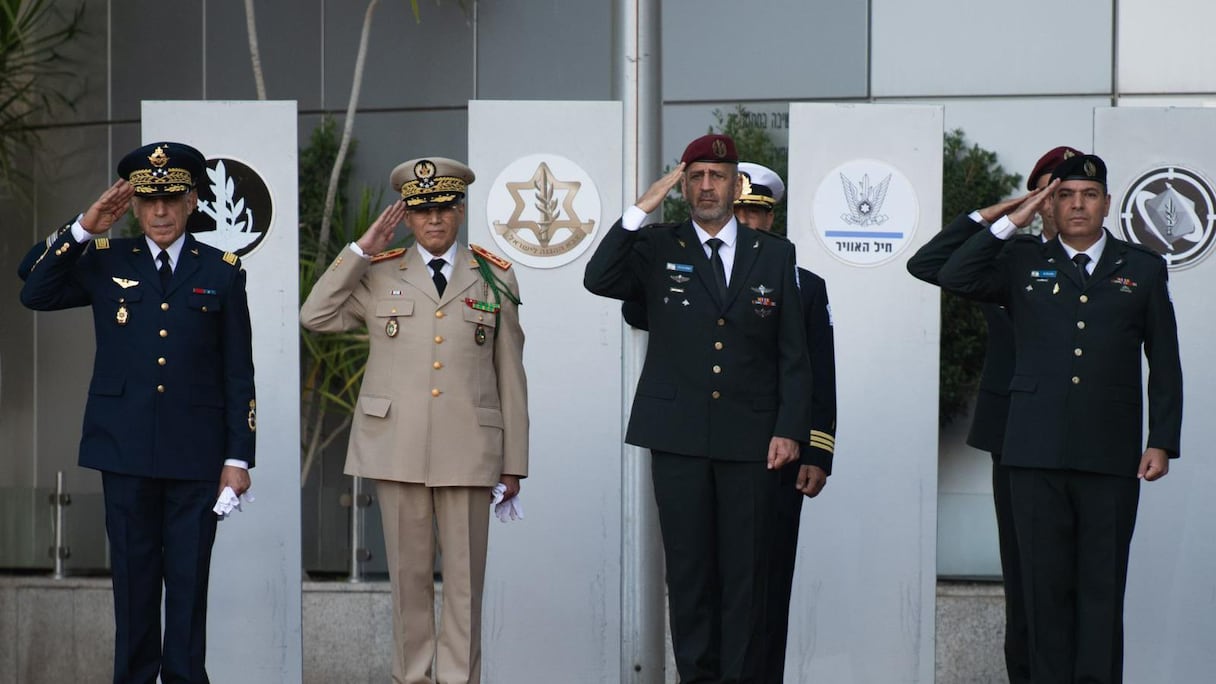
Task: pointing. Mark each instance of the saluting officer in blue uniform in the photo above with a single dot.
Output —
(170, 416)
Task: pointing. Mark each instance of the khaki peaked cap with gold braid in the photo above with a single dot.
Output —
(431, 181)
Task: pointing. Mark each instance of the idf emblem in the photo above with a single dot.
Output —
(719, 148)
(551, 208)
(1171, 210)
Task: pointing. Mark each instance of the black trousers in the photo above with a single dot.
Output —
(782, 554)
(161, 533)
(1074, 533)
(1017, 631)
(715, 518)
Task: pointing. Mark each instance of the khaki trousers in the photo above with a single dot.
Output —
(409, 512)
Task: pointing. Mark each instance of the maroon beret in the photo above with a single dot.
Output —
(714, 147)
(1048, 163)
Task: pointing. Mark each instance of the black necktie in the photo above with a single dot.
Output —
(166, 271)
(715, 260)
(1081, 259)
(440, 282)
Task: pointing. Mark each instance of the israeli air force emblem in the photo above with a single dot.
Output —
(235, 207)
(1171, 210)
(542, 210)
(865, 212)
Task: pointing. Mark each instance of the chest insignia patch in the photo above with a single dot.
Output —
(679, 278)
(762, 289)
(124, 283)
(682, 268)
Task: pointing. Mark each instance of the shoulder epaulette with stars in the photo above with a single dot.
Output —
(230, 258)
(385, 256)
(101, 243)
(490, 257)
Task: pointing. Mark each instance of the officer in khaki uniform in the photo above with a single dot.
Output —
(442, 414)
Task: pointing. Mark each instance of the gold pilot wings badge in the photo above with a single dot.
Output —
(124, 283)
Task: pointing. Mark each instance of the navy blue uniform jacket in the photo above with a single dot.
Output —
(1076, 394)
(721, 378)
(172, 391)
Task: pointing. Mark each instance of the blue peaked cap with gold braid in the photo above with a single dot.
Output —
(162, 169)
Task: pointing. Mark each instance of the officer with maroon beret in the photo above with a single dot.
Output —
(722, 402)
(992, 400)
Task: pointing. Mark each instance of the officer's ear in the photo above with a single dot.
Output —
(192, 201)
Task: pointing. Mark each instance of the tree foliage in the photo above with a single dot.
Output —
(971, 178)
(32, 71)
(331, 363)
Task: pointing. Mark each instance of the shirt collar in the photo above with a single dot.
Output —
(449, 256)
(728, 234)
(174, 250)
(1094, 251)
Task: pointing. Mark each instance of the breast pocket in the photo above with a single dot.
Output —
(476, 317)
(205, 302)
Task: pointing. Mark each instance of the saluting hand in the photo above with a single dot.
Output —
(653, 197)
(1154, 464)
(811, 480)
(994, 212)
(781, 450)
(379, 235)
(1024, 214)
(108, 208)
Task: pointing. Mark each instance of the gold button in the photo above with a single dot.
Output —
(717, 369)
(1076, 352)
(439, 314)
(718, 346)
(435, 392)
(160, 361)
(204, 308)
(437, 365)
(721, 321)
(1076, 380)
(716, 394)
(393, 311)
(160, 388)
(1084, 298)
(164, 306)
(164, 333)
(1081, 325)
(481, 317)
(439, 339)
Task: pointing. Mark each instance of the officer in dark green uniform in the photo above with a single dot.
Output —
(992, 400)
(1084, 306)
(722, 402)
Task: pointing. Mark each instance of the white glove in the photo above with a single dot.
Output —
(229, 502)
(511, 509)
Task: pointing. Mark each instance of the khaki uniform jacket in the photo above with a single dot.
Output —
(435, 407)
